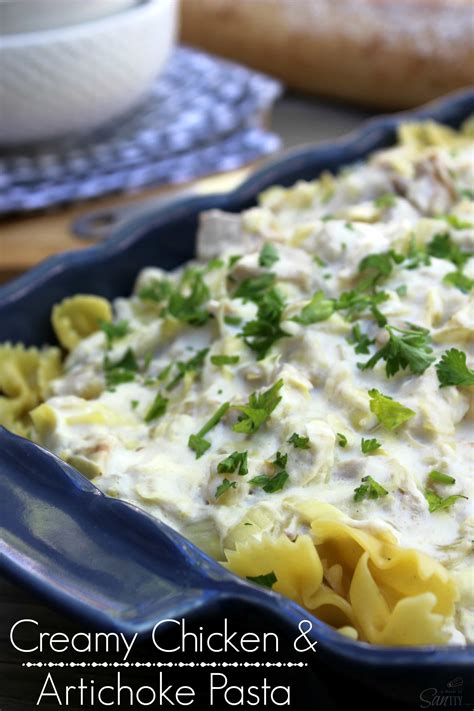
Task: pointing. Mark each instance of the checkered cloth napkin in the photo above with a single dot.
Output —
(203, 116)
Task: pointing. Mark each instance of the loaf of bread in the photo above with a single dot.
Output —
(388, 54)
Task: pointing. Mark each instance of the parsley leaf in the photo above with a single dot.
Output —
(299, 441)
(437, 503)
(369, 445)
(379, 266)
(156, 290)
(157, 408)
(225, 486)
(457, 222)
(386, 200)
(355, 303)
(189, 308)
(224, 359)
(280, 460)
(442, 247)
(122, 371)
(237, 461)
(440, 478)
(266, 581)
(408, 348)
(460, 281)
(359, 340)
(319, 309)
(452, 369)
(232, 320)
(188, 366)
(390, 413)
(258, 409)
(341, 439)
(197, 442)
(253, 288)
(261, 333)
(369, 489)
(271, 484)
(268, 255)
(114, 331)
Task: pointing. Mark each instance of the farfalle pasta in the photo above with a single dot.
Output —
(351, 578)
(298, 400)
(78, 317)
(25, 378)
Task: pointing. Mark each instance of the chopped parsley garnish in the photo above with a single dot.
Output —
(157, 408)
(460, 281)
(188, 366)
(189, 307)
(378, 266)
(299, 441)
(232, 320)
(437, 503)
(369, 489)
(442, 247)
(355, 303)
(452, 369)
(467, 193)
(369, 445)
(235, 462)
(349, 226)
(214, 264)
(233, 259)
(319, 309)
(258, 410)
(341, 439)
(266, 581)
(402, 290)
(408, 348)
(416, 256)
(320, 262)
(261, 333)
(457, 222)
(134, 404)
(114, 331)
(156, 290)
(224, 359)
(271, 484)
(280, 460)
(122, 371)
(225, 486)
(390, 413)
(163, 374)
(197, 442)
(253, 288)
(386, 200)
(268, 255)
(359, 340)
(440, 478)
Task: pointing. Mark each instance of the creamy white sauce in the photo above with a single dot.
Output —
(324, 391)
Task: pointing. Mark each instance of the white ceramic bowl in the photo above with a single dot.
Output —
(18, 16)
(72, 79)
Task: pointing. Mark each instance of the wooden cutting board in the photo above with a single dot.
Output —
(28, 239)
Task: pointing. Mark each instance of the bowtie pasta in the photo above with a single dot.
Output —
(298, 400)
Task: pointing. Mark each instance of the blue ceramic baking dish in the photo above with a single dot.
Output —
(111, 564)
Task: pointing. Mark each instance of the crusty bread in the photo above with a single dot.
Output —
(384, 53)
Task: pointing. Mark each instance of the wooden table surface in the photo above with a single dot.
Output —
(26, 240)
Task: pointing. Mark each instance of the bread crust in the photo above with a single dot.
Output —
(390, 54)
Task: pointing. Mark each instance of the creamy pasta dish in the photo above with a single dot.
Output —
(298, 400)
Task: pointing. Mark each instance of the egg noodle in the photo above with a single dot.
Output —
(298, 400)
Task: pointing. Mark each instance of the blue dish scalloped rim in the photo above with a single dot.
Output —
(106, 561)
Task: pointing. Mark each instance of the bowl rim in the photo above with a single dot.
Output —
(136, 13)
